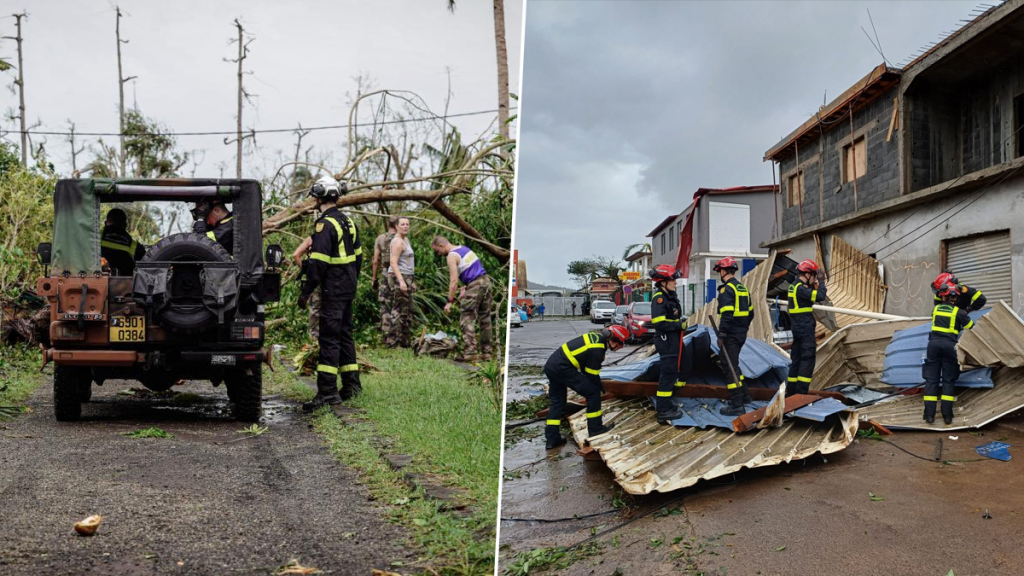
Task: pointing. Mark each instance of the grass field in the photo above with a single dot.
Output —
(19, 376)
(428, 409)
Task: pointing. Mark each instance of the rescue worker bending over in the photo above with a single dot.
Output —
(212, 218)
(334, 261)
(967, 298)
(668, 322)
(117, 245)
(940, 362)
(577, 365)
(801, 298)
(735, 312)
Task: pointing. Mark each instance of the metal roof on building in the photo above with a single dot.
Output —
(997, 339)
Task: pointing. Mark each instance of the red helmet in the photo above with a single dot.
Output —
(617, 332)
(727, 263)
(663, 273)
(941, 280)
(947, 289)
(807, 266)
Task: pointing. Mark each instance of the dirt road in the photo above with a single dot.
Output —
(207, 501)
(809, 517)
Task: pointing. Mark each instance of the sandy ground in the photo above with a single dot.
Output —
(208, 501)
(808, 517)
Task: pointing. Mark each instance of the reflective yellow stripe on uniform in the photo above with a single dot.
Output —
(680, 384)
(945, 311)
(344, 257)
(931, 398)
(975, 297)
(803, 379)
(948, 398)
(592, 371)
(349, 368)
(130, 249)
(732, 386)
(664, 394)
(794, 306)
(738, 311)
(326, 368)
(593, 414)
(211, 235)
(554, 422)
(589, 341)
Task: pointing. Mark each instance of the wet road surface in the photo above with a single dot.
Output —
(207, 501)
(813, 516)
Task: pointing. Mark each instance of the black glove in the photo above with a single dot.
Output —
(199, 227)
(303, 301)
(375, 285)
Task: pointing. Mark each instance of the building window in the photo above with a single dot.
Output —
(672, 237)
(662, 243)
(857, 152)
(795, 189)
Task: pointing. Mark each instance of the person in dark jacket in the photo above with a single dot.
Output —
(735, 312)
(577, 365)
(668, 322)
(941, 364)
(967, 298)
(801, 299)
(117, 245)
(334, 261)
(220, 226)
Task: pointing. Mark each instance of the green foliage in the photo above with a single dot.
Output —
(26, 217)
(526, 409)
(541, 559)
(583, 271)
(19, 376)
(491, 376)
(151, 432)
(150, 152)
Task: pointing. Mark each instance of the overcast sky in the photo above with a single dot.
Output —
(629, 107)
(303, 60)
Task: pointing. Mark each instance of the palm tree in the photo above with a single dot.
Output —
(629, 249)
(502, 56)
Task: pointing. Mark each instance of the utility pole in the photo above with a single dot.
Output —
(300, 134)
(243, 52)
(120, 88)
(74, 151)
(502, 56)
(21, 91)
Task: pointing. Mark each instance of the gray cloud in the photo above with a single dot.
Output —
(629, 107)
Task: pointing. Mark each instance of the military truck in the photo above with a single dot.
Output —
(189, 311)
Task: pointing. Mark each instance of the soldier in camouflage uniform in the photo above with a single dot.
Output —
(403, 286)
(474, 299)
(381, 260)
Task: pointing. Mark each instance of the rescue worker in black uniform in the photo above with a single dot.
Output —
(117, 246)
(212, 219)
(668, 322)
(941, 363)
(801, 298)
(735, 312)
(333, 266)
(577, 365)
(967, 298)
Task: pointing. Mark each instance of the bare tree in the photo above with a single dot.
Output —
(20, 83)
(120, 87)
(74, 151)
(243, 96)
(501, 53)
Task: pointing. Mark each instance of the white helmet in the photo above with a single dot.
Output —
(327, 188)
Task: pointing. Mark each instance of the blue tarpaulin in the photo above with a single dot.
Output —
(704, 412)
(997, 450)
(820, 409)
(904, 357)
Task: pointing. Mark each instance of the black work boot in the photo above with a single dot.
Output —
(735, 407)
(947, 411)
(597, 428)
(350, 385)
(929, 411)
(326, 393)
(321, 401)
(667, 411)
(553, 436)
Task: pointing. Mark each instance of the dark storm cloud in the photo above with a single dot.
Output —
(629, 107)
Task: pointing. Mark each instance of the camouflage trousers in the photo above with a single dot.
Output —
(401, 314)
(314, 315)
(475, 308)
(384, 298)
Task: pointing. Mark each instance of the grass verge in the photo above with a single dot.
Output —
(19, 377)
(428, 409)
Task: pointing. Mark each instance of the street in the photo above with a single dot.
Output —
(209, 500)
(814, 516)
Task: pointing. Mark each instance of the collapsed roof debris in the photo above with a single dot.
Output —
(997, 339)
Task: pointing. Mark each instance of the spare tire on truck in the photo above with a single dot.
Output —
(184, 311)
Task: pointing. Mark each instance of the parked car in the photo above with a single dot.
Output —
(639, 312)
(619, 317)
(514, 318)
(602, 311)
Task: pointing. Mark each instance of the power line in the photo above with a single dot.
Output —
(264, 131)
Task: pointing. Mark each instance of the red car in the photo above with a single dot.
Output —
(639, 312)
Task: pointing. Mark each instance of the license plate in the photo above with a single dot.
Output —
(222, 360)
(127, 329)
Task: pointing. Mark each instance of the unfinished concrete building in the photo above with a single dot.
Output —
(920, 167)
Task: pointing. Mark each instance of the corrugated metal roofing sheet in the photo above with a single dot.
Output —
(821, 409)
(997, 339)
(905, 354)
(647, 457)
(856, 354)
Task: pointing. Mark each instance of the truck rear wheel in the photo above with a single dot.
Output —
(245, 391)
(67, 391)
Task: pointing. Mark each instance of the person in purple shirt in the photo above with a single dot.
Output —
(474, 298)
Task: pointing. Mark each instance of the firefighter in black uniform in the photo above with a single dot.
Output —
(333, 266)
(967, 298)
(940, 361)
(668, 322)
(577, 365)
(801, 298)
(117, 245)
(735, 312)
(212, 219)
